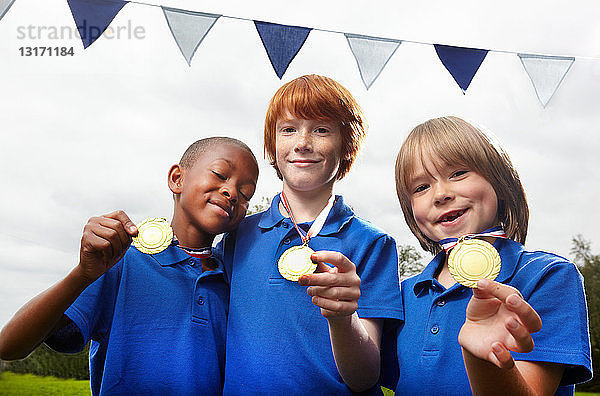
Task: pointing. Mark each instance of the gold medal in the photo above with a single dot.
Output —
(473, 259)
(296, 262)
(154, 235)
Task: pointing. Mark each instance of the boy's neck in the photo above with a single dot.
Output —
(305, 205)
(189, 235)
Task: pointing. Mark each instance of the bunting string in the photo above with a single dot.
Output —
(283, 42)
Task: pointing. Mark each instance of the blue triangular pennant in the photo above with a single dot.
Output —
(282, 43)
(189, 29)
(462, 63)
(93, 17)
(5, 6)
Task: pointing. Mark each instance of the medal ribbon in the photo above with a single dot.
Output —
(200, 253)
(316, 225)
(448, 243)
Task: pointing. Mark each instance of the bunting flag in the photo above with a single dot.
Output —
(546, 73)
(462, 63)
(371, 54)
(5, 6)
(92, 17)
(189, 29)
(282, 43)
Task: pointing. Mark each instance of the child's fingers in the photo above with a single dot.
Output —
(330, 278)
(522, 338)
(122, 217)
(336, 259)
(322, 267)
(527, 315)
(501, 356)
(337, 306)
(488, 288)
(93, 244)
(334, 293)
(113, 232)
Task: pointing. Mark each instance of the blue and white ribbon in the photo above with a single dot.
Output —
(204, 252)
(448, 243)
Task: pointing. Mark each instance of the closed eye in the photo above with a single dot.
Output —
(459, 173)
(220, 176)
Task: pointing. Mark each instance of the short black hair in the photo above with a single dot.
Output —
(190, 156)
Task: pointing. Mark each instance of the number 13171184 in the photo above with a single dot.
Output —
(46, 51)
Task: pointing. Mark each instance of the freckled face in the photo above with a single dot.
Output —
(307, 152)
(451, 201)
(215, 192)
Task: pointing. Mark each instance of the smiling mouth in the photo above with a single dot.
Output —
(451, 216)
(223, 207)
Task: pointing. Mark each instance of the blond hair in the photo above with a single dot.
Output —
(455, 141)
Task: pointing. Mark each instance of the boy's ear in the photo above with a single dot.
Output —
(175, 179)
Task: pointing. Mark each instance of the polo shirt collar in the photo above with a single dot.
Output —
(170, 256)
(425, 278)
(510, 254)
(339, 215)
(173, 255)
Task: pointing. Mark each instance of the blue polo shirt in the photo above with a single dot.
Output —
(157, 325)
(277, 340)
(429, 355)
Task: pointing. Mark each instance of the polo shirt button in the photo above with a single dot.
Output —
(435, 329)
(287, 241)
(201, 300)
(441, 303)
(286, 225)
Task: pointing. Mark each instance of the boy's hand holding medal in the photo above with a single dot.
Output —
(104, 242)
(333, 289)
(498, 320)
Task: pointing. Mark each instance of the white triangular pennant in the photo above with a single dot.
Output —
(371, 54)
(546, 73)
(189, 29)
(5, 6)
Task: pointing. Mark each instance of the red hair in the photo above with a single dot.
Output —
(315, 97)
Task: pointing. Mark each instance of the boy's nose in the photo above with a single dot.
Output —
(230, 194)
(304, 141)
(442, 194)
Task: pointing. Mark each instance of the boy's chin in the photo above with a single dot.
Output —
(217, 228)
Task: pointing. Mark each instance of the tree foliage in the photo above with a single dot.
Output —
(410, 261)
(589, 265)
(46, 362)
(263, 205)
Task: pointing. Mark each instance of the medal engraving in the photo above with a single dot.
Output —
(154, 235)
(473, 259)
(296, 262)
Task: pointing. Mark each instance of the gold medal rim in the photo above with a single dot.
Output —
(493, 262)
(283, 267)
(165, 228)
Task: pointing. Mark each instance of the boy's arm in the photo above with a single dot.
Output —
(499, 320)
(104, 242)
(355, 342)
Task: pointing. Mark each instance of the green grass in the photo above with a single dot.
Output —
(30, 385)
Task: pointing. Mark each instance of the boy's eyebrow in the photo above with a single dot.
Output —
(231, 164)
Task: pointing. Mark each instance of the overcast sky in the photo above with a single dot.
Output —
(98, 131)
